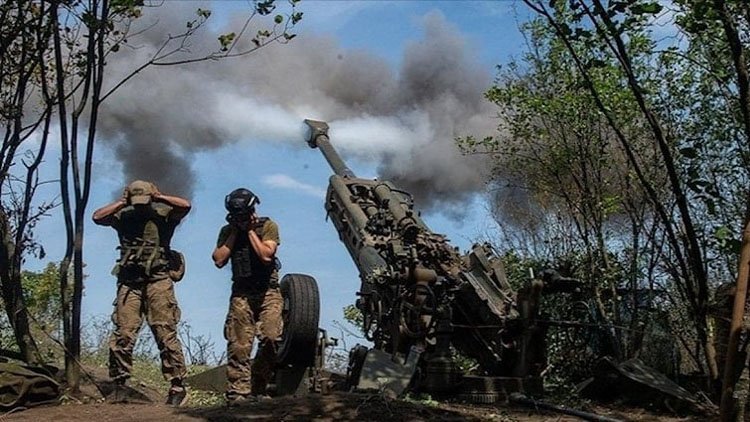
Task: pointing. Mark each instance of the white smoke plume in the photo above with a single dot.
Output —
(406, 119)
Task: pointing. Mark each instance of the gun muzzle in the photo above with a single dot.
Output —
(317, 137)
(315, 128)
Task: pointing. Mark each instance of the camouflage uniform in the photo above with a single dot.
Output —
(157, 301)
(144, 288)
(254, 309)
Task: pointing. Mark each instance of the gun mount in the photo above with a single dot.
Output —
(418, 294)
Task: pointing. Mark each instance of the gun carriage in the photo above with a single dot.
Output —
(420, 295)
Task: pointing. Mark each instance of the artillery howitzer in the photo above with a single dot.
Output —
(420, 298)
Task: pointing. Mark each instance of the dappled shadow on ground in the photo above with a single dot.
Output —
(333, 407)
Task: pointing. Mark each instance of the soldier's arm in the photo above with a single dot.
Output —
(103, 216)
(224, 250)
(265, 249)
(181, 205)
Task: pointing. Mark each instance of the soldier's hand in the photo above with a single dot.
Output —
(125, 196)
(155, 194)
(242, 226)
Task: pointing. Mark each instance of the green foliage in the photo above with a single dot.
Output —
(225, 40)
(519, 269)
(353, 315)
(646, 8)
(582, 211)
(202, 399)
(129, 8)
(42, 294)
(265, 7)
(296, 17)
(629, 146)
(421, 398)
(465, 364)
(203, 13)
(554, 131)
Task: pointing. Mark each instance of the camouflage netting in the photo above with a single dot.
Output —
(25, 386)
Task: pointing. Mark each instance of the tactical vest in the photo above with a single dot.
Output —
(145, 233)
(247, 267)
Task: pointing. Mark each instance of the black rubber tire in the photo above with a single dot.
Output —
(301, 314)
(292, 381)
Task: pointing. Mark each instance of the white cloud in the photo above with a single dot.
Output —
(283, 181)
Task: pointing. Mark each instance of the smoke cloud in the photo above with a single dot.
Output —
(404, 119)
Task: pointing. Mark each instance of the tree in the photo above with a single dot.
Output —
(564, 185)
(42, 303)
(698, 188)
(42, 297)
(629, 152)
(25, 30)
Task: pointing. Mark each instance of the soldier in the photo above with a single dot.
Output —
(145, 220)
(250, 242)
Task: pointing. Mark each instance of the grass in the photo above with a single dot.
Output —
(200, 398)
(421, 398)
(147, 373)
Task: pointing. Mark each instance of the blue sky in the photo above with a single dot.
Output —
(289, 177)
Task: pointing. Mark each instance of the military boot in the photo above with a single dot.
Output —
(177, 395)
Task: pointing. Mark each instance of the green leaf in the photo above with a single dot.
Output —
(265, 7)
(296, 17)
(278, 19)
(225, 40)
(734, 246)
(722, 233)
(646, 8)
(711, 206)
(204, 13)
(689, 152)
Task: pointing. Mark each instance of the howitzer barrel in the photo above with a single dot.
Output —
(318, 138)
(404, 220)
(355, 212)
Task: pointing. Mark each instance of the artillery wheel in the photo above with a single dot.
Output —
(301, 314)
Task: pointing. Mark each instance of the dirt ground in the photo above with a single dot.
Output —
(332, 407)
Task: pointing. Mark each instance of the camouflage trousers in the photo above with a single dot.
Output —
(251, 314)
(155, 300)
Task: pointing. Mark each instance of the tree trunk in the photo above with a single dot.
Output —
(12, 293)
(73, 373)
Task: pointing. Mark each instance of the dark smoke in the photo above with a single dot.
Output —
(406, 120)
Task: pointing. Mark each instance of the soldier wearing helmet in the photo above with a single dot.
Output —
(249, 242)
(145, 220)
